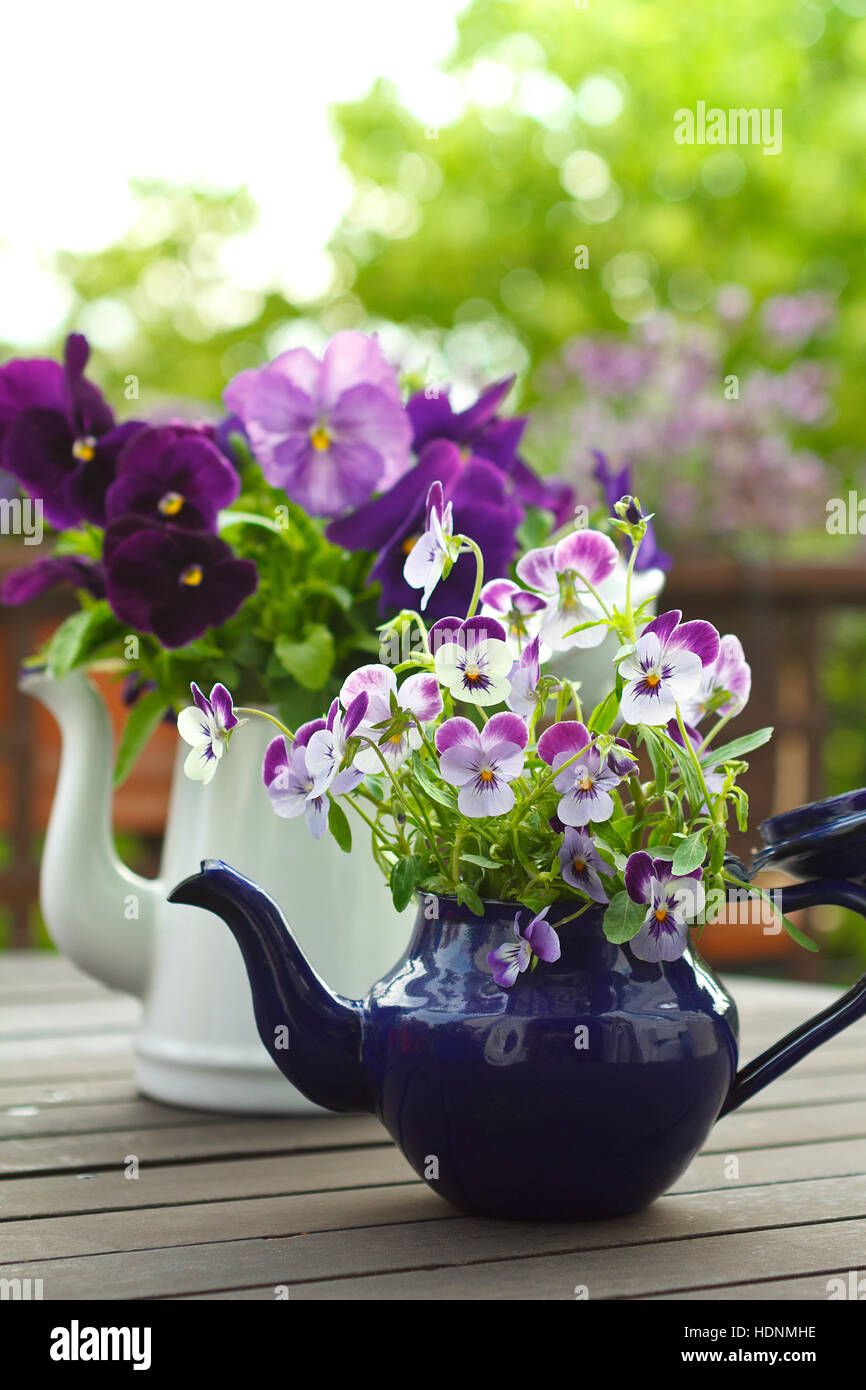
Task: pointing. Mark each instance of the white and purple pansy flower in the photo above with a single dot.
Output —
(290, 783)
(436, 550)
(207, 725)
(327, 749)
(539, 941)
(523, 695)
(580, 863)
(471, 659)
(730, 671)
(482, 764)
(517, 610)
(587, 782)
(563, 574)
(389, 721)
(665, 667)
(673, 902)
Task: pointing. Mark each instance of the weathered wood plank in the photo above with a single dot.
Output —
(33, 1122)
(106, 1090)
(787, 1163)
(195, 1225)
(671, 1237)
(50, 1019)
(225, 1139)
(751, 1129)
(205, 1182)
(804, 1288)
(49, 1059)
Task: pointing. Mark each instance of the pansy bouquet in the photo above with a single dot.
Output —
(259, 551)
(479, 776)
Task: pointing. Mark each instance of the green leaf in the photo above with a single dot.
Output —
(310, 661)
(602, 718)
(623, 918)
(690, 853)
(145, 715)
(467, 894)
(658, 757)
(738, 746)
(480, 860)
(337, 592)
(404, 877)
(79, 636)
(428, 784)
(339, 826)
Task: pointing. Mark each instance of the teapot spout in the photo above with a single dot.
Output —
(313, 1035)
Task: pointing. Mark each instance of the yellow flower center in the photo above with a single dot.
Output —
(409, 544)
(84, 449)
(319, 438)
(652, 680)
(171, 503)
(486, 775)
(192, 575)
(585, 782)
(660, 914)
(472, 675)
(579, 865)
(395, 739)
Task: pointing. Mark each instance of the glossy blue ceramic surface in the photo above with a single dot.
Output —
(823, 839)
(582, 1092)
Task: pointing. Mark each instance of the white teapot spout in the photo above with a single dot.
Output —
(97, 911)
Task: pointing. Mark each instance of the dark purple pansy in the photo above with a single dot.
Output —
(616, 483)
(55, 428)
(483, 507)
(22, 585)
(173, 582)
(480, 433)
(172, 474)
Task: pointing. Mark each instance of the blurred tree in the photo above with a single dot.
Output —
(565, 140)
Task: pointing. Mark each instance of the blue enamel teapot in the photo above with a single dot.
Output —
(582, 1092)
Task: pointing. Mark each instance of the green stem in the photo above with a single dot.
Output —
(695, 760)
(479, 572)
(260, 713)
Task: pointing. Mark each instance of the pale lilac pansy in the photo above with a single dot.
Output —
(389, 720)
(327, 749)
(290, 782)
(665, 667)
(580, 863)
(207, 725)
(517, 610)
(523, 694)
(672, 901)
(587, 782)
(482, 764)
(563, 574)
(514, 957)
(436, 549)
(730, 671)
(471, 659)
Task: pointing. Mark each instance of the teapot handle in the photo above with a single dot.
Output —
(838, 892)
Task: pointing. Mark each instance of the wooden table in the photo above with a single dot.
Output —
(228, 1208)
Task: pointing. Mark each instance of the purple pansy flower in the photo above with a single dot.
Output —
(672, 901)
(482, 507)
(615, 484)
(327, 749)
(480, 433)
(28, 582)
(172, 582)
(425, 563)
(730, 671)
(523, 695)
(482, 764)
(665, 667)
(538, 941)
(172, 475)
(290, 783)
(207, 724)
(586, 784)
(562, 572)
(330, 433)
(57, 434)
(388, 720)
(471, 659)
(518, 610)
(581, 863)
